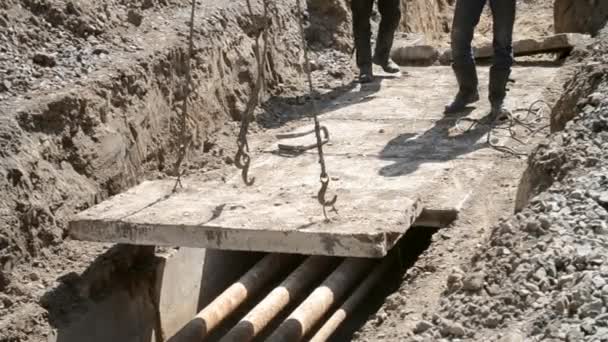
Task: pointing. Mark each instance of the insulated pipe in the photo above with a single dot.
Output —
(330, 326)
(305, 316)
(292, 287)
(226, 303)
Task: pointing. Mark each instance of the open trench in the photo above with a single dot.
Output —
(150, 294)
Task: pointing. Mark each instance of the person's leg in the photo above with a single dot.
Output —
(503, 14)
(362, 10)
(466, 18)
(390, 12)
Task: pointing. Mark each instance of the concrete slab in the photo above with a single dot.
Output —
(393, 156)
(228, 217)
(563, 42)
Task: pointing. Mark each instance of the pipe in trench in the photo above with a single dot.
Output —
(292, 287)
(308, 313)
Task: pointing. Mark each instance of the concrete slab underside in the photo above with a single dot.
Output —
(392, 155)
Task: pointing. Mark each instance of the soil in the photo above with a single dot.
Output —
(90, 97)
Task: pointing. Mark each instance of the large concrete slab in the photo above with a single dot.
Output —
(272, 219)
(393, 157)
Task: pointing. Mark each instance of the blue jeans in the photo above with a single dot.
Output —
(466, 18)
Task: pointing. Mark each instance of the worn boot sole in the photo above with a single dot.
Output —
(457, 106)
(386, 67)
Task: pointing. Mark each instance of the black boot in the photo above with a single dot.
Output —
(366, 74)
(388, 66)
(498, 92)
(467, 88)
(391, 15)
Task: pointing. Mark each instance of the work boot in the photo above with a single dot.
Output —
(366, 75)
(498, 91)
(467, 89)
(388, 65)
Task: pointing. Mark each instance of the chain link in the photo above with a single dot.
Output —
(242, 159)
(184, 139)
(324, 177)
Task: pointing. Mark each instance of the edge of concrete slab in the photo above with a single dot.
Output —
(369, 244)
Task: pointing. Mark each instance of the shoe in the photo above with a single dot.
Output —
(366, 74)
(498, 91)
(499, 112)
(466, 76)
(461, 101)
(388, 66)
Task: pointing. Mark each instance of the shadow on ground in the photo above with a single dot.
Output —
(433, 145)
(280, 110)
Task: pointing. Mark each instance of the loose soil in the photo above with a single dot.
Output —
(89, 101)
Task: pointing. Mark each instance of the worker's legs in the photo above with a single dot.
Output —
(466, 18)
(391, 15)
(503, 13)
(362, 10)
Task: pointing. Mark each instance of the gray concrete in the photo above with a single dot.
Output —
(563, 42)
(392, 155)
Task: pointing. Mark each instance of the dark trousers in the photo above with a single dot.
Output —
(362, 11)
(466, 18)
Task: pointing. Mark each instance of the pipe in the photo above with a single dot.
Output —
(226, 303)
(305, 316)
(360, 293)
(292, 287)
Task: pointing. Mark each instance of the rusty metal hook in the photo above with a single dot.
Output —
(242, 160)
(245, 170)
(321, 197)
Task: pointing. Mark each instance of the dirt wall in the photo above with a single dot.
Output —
(99, 113)
(588, 16)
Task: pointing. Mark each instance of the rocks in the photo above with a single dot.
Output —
(552, 284)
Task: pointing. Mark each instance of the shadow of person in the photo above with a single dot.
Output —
(410, 150)
(279, 110)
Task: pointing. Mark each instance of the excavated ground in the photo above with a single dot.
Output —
(89, 100)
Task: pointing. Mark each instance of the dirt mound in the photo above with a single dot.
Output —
(90, 107)
(580, 16)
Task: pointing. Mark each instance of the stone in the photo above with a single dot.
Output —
(591, 309)
(513, 336)
(44, 59)
(473, 282)
(451, 328)
(422, 326)
(588, 327)
(414, 55)
(135, 17)
(575, 335)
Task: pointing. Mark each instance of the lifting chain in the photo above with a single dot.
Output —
(242, 159)
(324, 177)
(184, 139)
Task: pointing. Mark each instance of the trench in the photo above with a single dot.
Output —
(134, 294)
(404, 255)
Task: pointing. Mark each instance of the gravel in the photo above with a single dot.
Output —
(543, 274)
